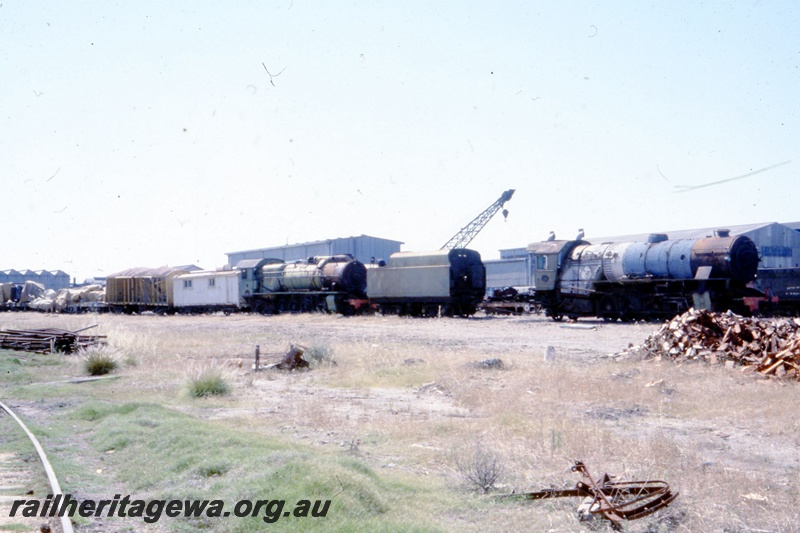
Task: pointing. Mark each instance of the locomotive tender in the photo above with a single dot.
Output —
(447, 282)
(632, 280)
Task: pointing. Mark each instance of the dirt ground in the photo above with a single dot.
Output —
(407, 394)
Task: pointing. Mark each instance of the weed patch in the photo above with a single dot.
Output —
(478, 467)
(209, 382)
(99, 363)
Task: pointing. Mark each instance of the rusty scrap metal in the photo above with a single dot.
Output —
(613, 500)
(291, 360)
(48, 340)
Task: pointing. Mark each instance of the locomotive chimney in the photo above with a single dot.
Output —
(722, 233)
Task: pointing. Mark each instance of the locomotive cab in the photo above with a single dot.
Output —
(546, 260)
(250, 276)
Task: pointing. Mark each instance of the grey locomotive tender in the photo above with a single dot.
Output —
(635, 280)
(446, 282)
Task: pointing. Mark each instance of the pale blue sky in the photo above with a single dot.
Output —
(149, 133)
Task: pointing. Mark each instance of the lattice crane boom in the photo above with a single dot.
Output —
(468, 232)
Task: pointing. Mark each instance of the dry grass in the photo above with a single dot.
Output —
(404, 394)
(98, 362)
(208, 382)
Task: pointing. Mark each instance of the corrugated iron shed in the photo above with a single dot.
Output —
(51, 279)
(362, 247)
(501, 273)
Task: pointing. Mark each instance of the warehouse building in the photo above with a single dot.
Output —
(51, 279)
(778, 246)
(363, 247)
(512, 272)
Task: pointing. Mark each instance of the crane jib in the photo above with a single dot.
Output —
(468, 232)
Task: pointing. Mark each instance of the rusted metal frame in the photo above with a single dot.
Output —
(655, 495)
(606, 508)
(649, 496)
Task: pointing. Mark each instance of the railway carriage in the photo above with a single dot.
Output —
(207, 291)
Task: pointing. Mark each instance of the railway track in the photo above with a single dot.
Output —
(16, 474)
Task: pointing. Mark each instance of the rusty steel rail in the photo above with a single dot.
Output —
(613, 500)
(66, 523)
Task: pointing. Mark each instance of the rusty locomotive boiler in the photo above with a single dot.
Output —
(634, 280)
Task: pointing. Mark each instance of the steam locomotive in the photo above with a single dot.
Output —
(658, 278)
(334, 283)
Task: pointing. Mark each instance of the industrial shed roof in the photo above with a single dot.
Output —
(51, 272)
(673, 235)
(255, 263)
(311, 243)
(159, 272)
(209, 274)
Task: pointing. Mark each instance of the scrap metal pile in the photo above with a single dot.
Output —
(768, 346)
(49, 340)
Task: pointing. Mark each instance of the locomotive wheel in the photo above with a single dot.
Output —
(344, 307)
(387, 309)
(267, 308)
(608, 309)
(631, 308)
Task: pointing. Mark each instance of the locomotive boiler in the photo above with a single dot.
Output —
(653, 279)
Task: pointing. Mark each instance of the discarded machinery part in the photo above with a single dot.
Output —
(291, 360)
(613, 500)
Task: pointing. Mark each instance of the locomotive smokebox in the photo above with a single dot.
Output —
(350, 276)
(734, 257)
